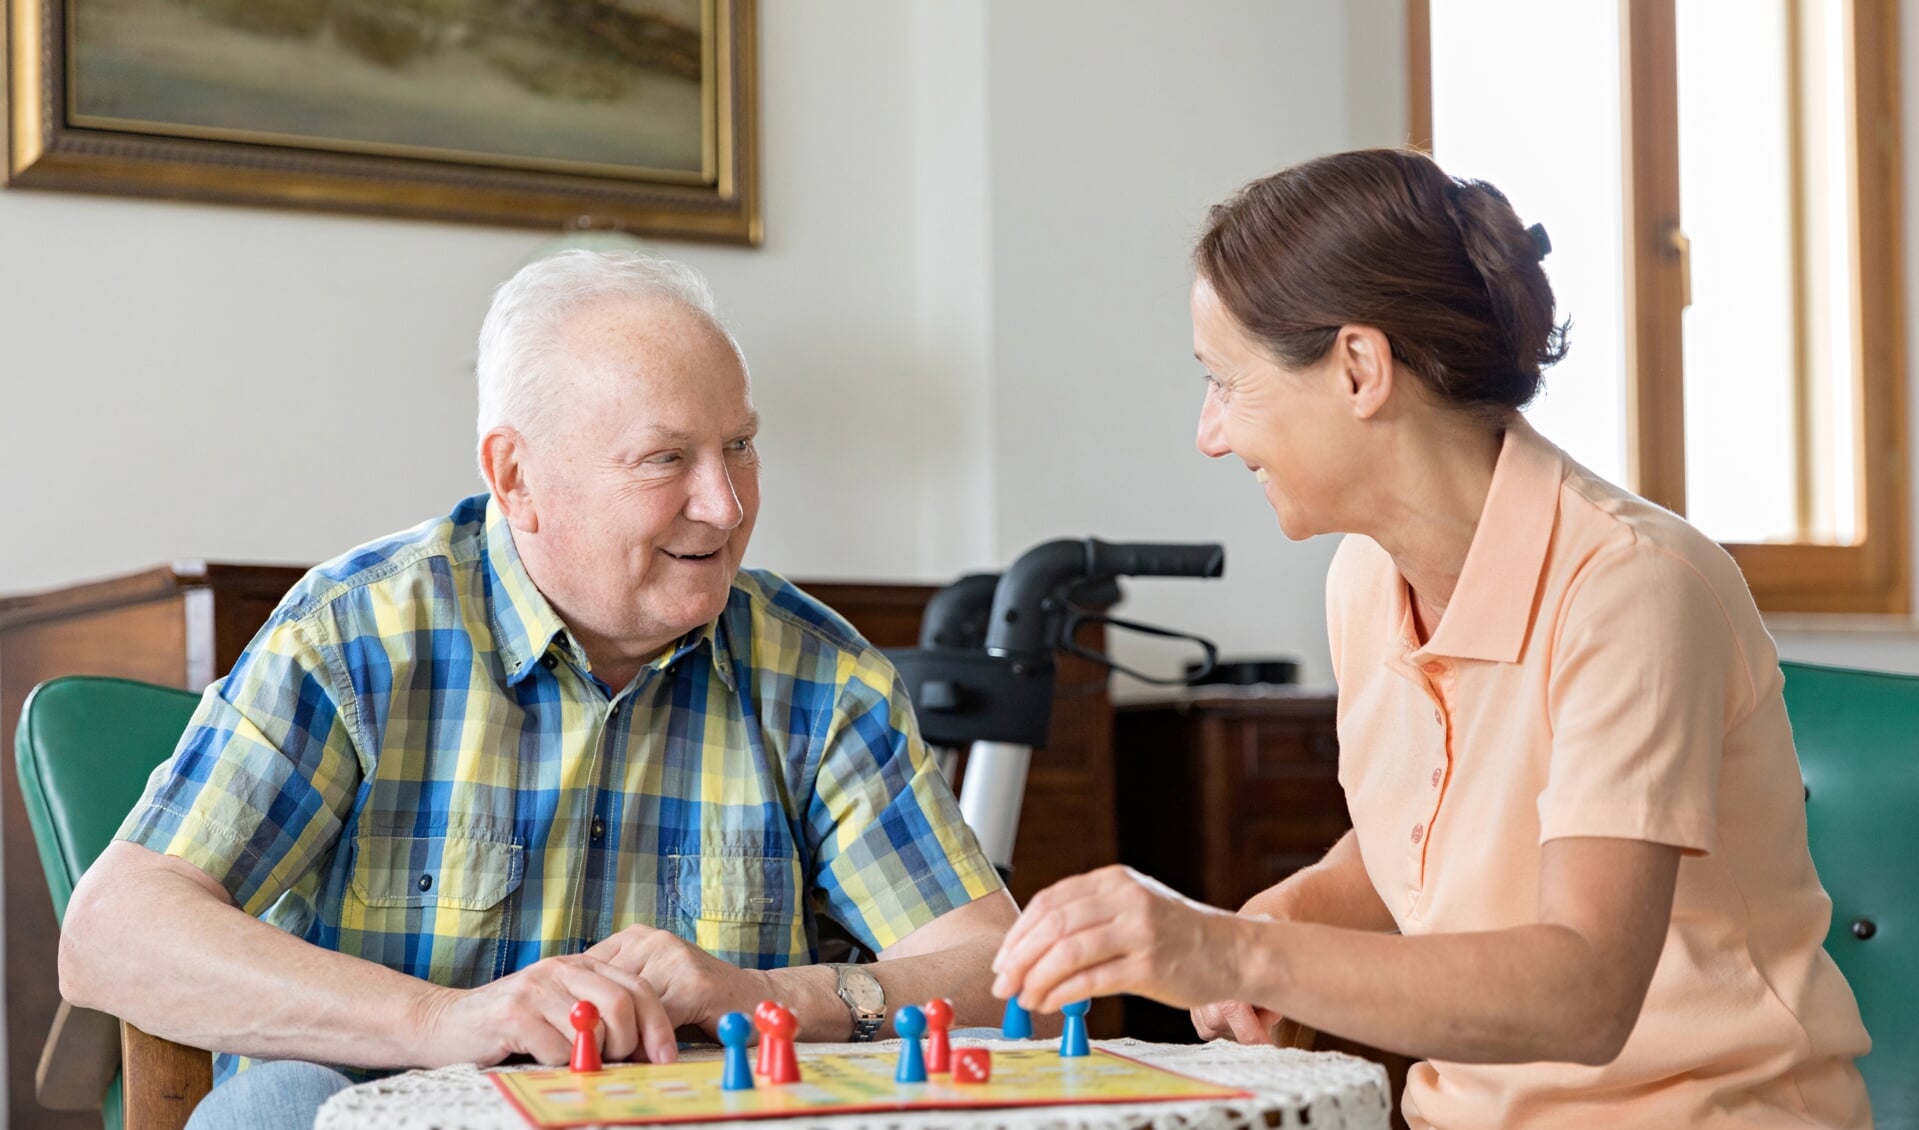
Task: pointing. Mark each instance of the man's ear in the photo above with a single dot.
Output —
(1365, 365)
(502, 462)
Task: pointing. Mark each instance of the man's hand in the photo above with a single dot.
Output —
(527, 1013)
(1117, 931)
(694, 987)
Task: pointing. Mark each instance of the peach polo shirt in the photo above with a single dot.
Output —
(1601, 670)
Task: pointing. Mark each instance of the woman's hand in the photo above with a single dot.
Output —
(1117, 931)
(1242, 1021)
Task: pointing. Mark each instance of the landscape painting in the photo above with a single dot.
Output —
(612, 86)
(638, 115)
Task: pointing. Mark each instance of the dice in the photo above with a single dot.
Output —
(972, 1065)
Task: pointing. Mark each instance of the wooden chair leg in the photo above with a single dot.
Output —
(161, 1081)
(1292, 1034)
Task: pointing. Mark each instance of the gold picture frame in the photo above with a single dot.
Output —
(583, 113)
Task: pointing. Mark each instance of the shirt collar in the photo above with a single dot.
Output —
(711, 633)
(525, 626)
(1492, 606)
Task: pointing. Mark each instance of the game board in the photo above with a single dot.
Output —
(646, 1094)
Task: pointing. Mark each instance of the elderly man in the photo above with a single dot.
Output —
(555, 746)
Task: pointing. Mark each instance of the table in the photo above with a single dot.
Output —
(1319, 1090)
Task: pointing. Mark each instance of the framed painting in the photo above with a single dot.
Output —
(631, 114)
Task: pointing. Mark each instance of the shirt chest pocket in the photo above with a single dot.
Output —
(743, 909)
(434, 907)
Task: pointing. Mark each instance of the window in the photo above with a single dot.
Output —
(1720, 179)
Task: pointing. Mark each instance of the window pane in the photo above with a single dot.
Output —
(1542, 123)
(1768, 339)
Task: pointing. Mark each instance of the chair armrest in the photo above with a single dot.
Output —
(78, 1062)
(162, 1081)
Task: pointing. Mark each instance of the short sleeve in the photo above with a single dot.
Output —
(1645, 675)
(891, 849)
(259, 787)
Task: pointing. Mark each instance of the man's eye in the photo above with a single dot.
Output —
(742, 444)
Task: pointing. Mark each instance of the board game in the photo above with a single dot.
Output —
(646, 1093)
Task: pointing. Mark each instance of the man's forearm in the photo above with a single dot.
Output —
(160, 950)
(949, 957)
(960, 974)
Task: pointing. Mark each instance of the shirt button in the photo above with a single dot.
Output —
(1437, 773)
(1434, 667)
(1437, 717)
(1419, 832)
(426, 882)
(550, 661)
(599, 828)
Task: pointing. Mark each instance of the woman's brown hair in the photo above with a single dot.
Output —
(1383, 238)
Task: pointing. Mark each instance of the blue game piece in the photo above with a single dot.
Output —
(910, 1023)
(1018, 1024)
(737, 1075)
(1072, 1042)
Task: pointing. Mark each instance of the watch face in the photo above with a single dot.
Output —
(860, 989)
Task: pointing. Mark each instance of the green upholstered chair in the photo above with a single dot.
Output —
(85, 748)
(1858, 738)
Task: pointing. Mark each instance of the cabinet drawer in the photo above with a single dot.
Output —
(1313, 795)
(1272, 748)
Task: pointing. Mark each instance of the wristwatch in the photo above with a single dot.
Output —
(864, 999)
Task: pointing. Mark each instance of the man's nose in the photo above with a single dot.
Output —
(1211, 439)
(713, 501)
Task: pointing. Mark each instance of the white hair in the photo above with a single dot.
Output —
(521, 332)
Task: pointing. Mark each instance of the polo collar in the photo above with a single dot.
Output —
(1492, 606)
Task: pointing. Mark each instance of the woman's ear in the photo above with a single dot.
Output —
(1365, 366)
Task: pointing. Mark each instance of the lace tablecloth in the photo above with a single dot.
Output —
(1316, 1090)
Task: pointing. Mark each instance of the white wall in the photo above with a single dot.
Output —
(254, 385)
(967, 326)
(1099, 187)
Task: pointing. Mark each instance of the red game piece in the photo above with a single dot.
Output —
(972, 1065)
(762, 1020)
(783, 1026)
(939, 1049)
(586, 1038)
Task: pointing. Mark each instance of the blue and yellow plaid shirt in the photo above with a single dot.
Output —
(411, 764)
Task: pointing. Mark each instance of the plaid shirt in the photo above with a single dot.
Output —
(411, 764)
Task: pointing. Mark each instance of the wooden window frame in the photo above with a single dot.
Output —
(1873, 575)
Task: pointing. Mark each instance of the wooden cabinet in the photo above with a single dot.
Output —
(1222, 793)
(185, 624)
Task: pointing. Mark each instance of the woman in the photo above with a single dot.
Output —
(1577, 882)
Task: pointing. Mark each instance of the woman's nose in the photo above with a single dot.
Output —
(1211, 440)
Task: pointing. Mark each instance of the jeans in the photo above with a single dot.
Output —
(277, 1095)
